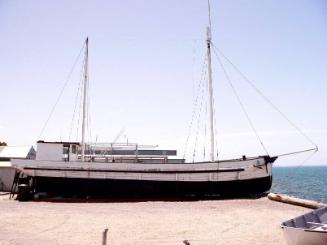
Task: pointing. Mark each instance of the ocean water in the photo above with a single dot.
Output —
(303, 182)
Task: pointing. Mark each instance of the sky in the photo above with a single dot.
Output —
(145, 63)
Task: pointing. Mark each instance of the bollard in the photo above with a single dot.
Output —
(104, 236)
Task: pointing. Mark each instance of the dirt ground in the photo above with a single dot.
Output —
(238, 221)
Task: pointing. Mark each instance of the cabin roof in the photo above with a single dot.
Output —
(59, 142)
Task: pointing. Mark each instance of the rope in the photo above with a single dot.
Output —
(88, 119)
(215, 126)
(78, 120)
(241, 104)
(78, 95)
(298, 152)
(61, 91)
(305, 160)
(314, 150)
(195, 102)
(198, 126)
(266, 98)
(205, 128)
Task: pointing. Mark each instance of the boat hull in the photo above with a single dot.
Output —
(242, 177)
(294, 236)
(137, 188)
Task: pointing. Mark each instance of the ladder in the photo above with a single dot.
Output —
(14, 184)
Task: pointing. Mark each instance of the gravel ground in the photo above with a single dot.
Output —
(237, 221)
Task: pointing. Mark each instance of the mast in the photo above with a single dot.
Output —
(212, 136)
(85, 86)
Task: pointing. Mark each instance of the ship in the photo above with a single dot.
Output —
(135, 170)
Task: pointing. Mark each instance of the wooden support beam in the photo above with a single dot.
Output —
(295, 201)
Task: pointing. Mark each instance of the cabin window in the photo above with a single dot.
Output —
(74, 149)
(65, 150)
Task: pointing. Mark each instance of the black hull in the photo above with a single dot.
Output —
(136, 188)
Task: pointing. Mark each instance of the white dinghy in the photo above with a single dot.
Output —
(307, 229)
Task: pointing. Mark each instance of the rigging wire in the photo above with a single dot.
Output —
(205, 128)
(80, 113)
(241, 103)
(61, 92)
(89, 126)
(195, 103)
(81, 102)
(198, 124)
(77, 99)
(304, 161)
(215, 126)
(217, 50)
(79, 109)
(297, 152)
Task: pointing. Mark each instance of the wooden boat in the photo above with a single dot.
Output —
(67, 167)
(307, 229)
(135, 174)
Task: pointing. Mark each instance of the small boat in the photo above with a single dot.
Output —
(307, 229)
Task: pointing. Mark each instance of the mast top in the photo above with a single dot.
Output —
(209, 23)
(209, 15)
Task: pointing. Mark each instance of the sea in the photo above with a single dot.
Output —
(303, 182)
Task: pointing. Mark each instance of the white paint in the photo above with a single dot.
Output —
(299, 236)
(70, 170)
(49, 151)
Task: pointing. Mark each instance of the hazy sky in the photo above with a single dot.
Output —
(145, 64)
